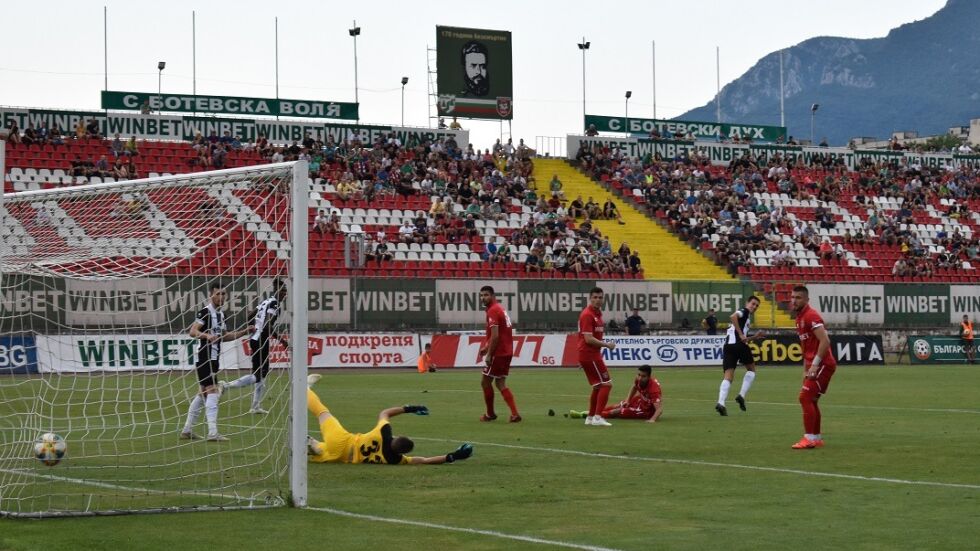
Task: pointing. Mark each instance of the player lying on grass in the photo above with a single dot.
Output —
(642, 402)
(377, 446)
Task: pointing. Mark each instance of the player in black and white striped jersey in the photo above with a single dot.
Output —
(210, 329)
(266, 316)
(737, 351)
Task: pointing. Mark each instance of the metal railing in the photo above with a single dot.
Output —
(550, 146)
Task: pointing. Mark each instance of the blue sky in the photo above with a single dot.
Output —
(55, 58)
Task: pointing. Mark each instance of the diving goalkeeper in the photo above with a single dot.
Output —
(377, 446)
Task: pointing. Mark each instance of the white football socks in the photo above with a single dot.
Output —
(197, 404)
(257, 395)
(746, 383)
(211, 413)
(723, 391)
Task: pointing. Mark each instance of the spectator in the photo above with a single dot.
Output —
(610, 212)
(131, 148)
(117, 146)
(710, 323)
(455, 125)
(634, 323)
(30, 135)
(80, 131)
(92, 130)
(322, 222)
(382, 253)
(532, 263)
(591, 131)
(218, 156)
(13, 133)
(120, 171)
(900, 268)
(55, 136)
(634, 263)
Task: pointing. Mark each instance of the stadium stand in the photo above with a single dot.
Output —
(666, 257)
(436, 210)
(780, 222)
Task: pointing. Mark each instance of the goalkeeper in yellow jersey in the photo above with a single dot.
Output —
(377, 446)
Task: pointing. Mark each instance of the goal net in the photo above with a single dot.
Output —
(101, 285)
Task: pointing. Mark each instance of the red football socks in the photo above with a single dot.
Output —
(602, 397)
(811, 413)
(593, 398)
(488, 398)
(509, 398)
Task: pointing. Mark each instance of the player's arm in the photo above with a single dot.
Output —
(658, 408)
(823, 348)
(632, 393)
(492, 343)
(757, 336)
(235, 335)
(736, 315)
(196, 332)
(395, 411)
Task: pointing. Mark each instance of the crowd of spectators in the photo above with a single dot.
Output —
(698, 200)
(464, 186)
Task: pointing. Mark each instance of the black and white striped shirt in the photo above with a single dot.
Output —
(212, 322)
(266, 316)
(743, 323)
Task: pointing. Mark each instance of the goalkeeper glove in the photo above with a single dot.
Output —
(417, 410)
(460, 453)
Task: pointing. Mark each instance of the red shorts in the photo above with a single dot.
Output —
(595, 371)
(822, 382)
(499, 367)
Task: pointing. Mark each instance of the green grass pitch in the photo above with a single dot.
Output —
(899, 471)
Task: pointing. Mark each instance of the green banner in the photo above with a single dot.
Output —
(931, 349)
(700, 130)
(167, 304)
(29, 303)
(475, 73)
(231, 105)
(693, 299)
(394, 304)
(172, 127)
(916, 305)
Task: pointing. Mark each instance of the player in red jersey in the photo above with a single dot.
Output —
(590, 345)
(643, 402)
(818, 365)
(498, 350)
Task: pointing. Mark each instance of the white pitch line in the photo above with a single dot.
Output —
(787, 404)
(717, 464)
(108, 486)
(491, 533)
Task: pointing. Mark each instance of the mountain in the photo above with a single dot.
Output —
(922, 76)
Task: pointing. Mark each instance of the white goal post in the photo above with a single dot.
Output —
(100, 285)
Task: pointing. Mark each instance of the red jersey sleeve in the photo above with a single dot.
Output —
(654, 389)
(586, 323)
(494, 317)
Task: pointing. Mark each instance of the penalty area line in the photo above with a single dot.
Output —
(700, 463)
(477, 531)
